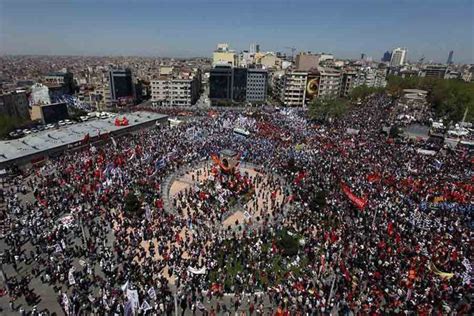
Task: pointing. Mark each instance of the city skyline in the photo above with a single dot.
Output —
(193, 28)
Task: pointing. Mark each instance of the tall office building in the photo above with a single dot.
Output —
(450, 58)
(220, 84)
(398, 57)
(121, 85)
(254, 48)
(387, 56)
(227, 85)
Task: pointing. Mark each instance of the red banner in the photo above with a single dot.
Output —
(359, 202)
(374, 177)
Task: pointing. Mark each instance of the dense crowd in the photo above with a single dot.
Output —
(392, 235)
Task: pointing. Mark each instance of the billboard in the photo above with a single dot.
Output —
(55, 112)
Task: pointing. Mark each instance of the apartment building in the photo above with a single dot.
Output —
(293, 88)
(176, 89)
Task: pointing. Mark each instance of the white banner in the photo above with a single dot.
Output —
(132, 296)
(197, 271)
(152, 293)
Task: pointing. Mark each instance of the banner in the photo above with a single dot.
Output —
(65, 302)
(132, 296)
(197, 271)
(435, 270)
(151, 292)
(71, 279)
(359, 202)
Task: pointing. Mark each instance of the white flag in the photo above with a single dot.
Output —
(114, 142)
(125, 286)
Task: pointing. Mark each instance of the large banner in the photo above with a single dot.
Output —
(312, 87)
(359, 202)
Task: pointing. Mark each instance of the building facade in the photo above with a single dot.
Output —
(293, 92)
(176, 90)
(239, 85)
(223, 56)
(306, 61)
(434, 71)
(257, 81)
(220, 84)
(63, 79)
(39, 94)
(15, 104)
(329, 82)
(349, 81)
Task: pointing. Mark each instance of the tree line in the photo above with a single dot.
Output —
(450, 99)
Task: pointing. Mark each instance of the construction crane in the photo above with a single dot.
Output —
(293, 50)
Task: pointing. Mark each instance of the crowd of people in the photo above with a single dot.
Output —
(370, 247)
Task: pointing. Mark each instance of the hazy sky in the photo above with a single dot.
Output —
(184, 28)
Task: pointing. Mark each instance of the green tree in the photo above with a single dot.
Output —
(8, 123)
(326, 108)
(362, 92)
(288, 244)
(449, 98)
(132, 205)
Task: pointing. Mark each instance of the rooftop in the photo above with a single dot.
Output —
(69, 134)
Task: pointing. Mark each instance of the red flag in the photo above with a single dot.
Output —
(323, 263)
(274, 247)
(202, 195)
(216, 288)
(159, 203)
(390, 229)
(299, 177)
(359, 202)
(298, 286)
(344, 270)
(274, 195)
